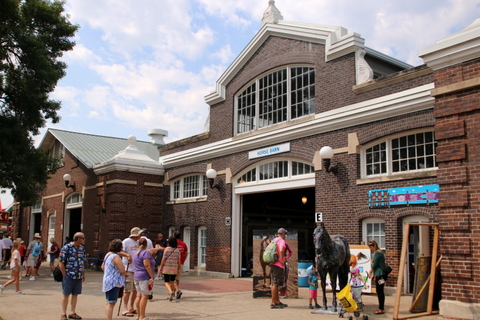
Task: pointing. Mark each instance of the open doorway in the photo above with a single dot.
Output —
(275, 209)
(418, 246)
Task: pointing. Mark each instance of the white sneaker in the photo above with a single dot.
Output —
(32, 278)
(20, 292)
(9, 277)
(158, 278)
(20, 279)
(1, 288)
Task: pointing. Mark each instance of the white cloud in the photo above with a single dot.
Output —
(149, 64)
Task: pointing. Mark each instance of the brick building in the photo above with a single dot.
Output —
(113, 185)
(405, 149)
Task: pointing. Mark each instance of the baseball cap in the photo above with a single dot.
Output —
(135, 232)
(282, 230)
(145, 231)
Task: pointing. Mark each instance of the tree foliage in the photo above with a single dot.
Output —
(34, 34)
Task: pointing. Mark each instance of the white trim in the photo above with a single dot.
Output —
(368, 221)
(388, 106)
(199, 238)
(454, 49)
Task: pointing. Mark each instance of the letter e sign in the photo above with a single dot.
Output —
(318, 216)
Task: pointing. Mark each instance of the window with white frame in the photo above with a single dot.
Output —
(202, 246)
(276, 97)
(276, 170)
(401, 153)
(189, 187)
(374, 229)
(37, 207)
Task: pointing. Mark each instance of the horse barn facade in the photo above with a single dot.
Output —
(405, 144)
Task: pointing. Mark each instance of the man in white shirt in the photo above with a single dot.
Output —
(7, 245)
(130, 246)
(145, 234)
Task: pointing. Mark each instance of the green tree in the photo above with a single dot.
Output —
(34, 34)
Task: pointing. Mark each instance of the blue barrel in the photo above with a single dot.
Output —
(302, 273)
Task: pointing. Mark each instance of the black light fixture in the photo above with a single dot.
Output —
(67, 178)
(326, 154)
(211, 175)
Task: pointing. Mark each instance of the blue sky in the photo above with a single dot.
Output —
(149, 64)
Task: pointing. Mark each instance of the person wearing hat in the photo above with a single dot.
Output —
(145, 234)
(277, 270)
(34, 252)
(130, 247)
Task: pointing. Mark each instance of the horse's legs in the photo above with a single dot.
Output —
(323, 278)
(333, 277)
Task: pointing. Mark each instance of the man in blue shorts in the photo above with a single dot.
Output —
(72, 261)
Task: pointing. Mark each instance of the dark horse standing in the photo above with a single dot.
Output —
(333, 257)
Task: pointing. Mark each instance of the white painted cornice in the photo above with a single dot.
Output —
(392, 105)
(456, 48)
(336, 40)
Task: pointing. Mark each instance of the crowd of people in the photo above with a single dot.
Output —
(130, 268)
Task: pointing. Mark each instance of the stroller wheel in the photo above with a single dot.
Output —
(356, 314)
(365, 317)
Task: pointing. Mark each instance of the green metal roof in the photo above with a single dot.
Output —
(92, 149)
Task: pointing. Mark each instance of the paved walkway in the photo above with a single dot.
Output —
(203, 298)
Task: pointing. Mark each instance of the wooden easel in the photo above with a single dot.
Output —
(429, 281)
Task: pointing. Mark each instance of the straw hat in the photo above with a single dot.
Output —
(37, 236)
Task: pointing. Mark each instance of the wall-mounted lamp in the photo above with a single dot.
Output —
(326, 153)
(304, 200)
(67, 178)
(211, 175)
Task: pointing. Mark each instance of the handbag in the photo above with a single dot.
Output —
(346, 298)
(57, 274)
(387, 270)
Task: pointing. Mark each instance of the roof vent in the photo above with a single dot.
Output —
(157, 136)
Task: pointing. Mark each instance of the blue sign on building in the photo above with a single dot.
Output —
(423, 195)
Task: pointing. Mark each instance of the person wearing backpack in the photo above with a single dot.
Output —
(277, 269)
(34, 252)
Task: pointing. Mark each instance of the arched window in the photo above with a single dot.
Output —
(402, 153)
(276, 170)
(276, 97)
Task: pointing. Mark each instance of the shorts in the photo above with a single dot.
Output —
(8, 254)
(313, 294)
(112, 295)
(142, 287)
(129, 285)
(32, 261)
(71, 286)
(277, 275)
(52, 259)
(169, 277)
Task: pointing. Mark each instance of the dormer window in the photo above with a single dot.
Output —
(277, 97)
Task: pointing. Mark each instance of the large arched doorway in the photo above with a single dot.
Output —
(268, 195)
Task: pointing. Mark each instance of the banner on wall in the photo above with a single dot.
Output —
(405, 196)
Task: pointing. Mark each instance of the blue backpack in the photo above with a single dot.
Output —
(37, 249)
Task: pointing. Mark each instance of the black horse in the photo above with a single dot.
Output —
(333, 257)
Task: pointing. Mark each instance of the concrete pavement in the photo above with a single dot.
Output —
(203, 298)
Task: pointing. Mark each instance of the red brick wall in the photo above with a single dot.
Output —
(457, 130)
(126, 206)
